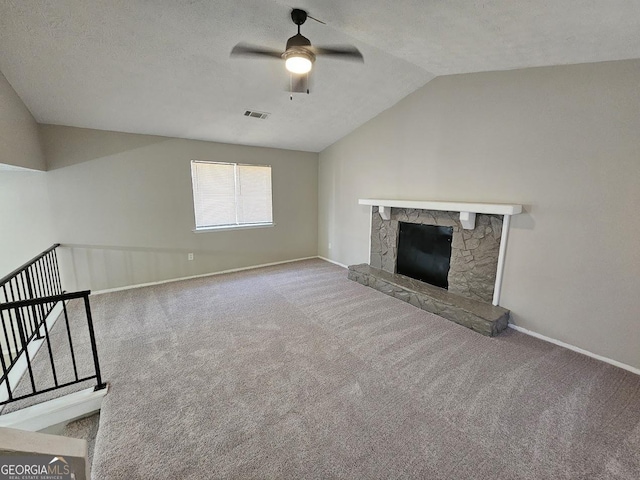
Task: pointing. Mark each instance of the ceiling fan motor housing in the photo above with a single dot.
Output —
(299, 46)
(298, 40)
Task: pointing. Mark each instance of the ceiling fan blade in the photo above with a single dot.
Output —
(319, 21)
(246, 50)
(348, 52)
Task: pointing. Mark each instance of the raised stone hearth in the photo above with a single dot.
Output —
(480, 316)
(463, 281)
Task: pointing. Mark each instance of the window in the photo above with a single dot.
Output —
(231, 195)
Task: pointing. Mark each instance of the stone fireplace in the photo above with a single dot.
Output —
(474, 253)
(475, 264)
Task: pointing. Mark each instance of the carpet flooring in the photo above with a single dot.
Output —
(293, 371)
(85, 429)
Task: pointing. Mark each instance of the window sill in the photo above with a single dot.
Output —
(233, 227)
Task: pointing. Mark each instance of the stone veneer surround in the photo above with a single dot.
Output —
(474, 253)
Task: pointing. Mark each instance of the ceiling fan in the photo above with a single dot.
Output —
(299, 54)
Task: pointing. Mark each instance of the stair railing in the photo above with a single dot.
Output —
(28, 297)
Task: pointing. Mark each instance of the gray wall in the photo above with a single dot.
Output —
(563, 141)
(24, 201)
(19, 144)
(124, 205)
(25, 217)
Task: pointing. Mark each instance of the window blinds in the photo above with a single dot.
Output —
(229, 194)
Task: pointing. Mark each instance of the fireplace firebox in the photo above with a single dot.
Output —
(424, 252)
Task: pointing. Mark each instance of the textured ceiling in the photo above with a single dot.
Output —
(162, 67)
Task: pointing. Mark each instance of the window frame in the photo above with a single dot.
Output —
(241, 226)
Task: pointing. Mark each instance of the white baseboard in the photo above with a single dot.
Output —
(53, 412)
(332, 261)
(577, 349)
(179, 279)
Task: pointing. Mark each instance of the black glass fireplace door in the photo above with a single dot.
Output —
(424, 253)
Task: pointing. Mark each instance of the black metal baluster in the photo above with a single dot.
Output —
(24, 319)
(26, 350)
(22, 295)
(73, 355)
(34, 283)
(11, 325)
(48, 340)
(43, 293)
(55, 259)
(13, 295)
(49, 286)
(15, 290)
(43, 282)
(52, 289)
(92, 337)
(37, 308)
(11, 350)
(25, 289)
(5, 375)
(6, 337)
(47, 277)
(52, 272)
(34, 312)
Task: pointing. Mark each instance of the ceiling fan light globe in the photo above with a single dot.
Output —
(298, 64)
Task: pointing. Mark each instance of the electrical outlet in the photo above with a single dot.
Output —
(190, 256)
(329, 245)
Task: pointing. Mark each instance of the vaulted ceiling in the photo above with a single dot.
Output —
(162, 67)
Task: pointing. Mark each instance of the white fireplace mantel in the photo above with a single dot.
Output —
(467, 219)
(467, 210)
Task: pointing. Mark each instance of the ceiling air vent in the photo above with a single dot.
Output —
(260, 115)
